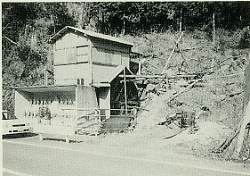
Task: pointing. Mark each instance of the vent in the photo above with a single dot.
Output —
(80, 81)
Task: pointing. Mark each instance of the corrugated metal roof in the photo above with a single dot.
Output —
(89, 33)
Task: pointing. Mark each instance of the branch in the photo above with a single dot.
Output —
(191, 85)
(11, 41)
(50, 72)
(175, 46)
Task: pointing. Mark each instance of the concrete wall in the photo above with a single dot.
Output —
(86, 97)
(22, 101)
(104, 102)
(29, 103)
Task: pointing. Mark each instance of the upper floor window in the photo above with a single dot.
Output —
(71, 55)
(82, 53)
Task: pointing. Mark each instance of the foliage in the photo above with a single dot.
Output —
(245, 38)
(27, 27)
(135, 17)
(44, 112)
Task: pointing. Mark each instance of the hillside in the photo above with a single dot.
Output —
(153, 28)
(221, 90)
(27, 27)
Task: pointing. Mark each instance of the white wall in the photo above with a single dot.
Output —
(110, 53)
(104, 100)
(100, 72)
(71, 40)
(21, 103)
(68, 74)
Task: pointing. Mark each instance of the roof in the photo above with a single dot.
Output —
(47, 88)
(115, 72)
(67, 29)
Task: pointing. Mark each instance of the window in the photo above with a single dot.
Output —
(82, 50)
(82, 53)
(104, 56)
(71, 55)
(60, 56)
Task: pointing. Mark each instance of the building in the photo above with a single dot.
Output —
(87, 66)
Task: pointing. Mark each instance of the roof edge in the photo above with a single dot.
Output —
(55, 37)
(43, 86)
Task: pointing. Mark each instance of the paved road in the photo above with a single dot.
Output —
(31, 159)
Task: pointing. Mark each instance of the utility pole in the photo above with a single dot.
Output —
(214, 37)
(214, 42)
(125, 91)
(181, 21)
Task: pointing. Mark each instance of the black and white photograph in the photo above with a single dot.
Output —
(125, 88)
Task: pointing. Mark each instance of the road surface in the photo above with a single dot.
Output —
(24, 158)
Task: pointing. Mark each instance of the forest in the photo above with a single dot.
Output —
(27, 27)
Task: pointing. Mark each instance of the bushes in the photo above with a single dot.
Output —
(245, 38)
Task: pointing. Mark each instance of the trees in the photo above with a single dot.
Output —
(26, 28)
(131, 17)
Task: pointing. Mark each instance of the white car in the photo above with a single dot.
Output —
(14, 126)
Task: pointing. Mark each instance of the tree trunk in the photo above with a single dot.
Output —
(241, 135)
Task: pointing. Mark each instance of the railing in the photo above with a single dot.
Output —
(89, 121)
(85, 120)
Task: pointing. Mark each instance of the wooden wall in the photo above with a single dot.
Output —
(80, 57)
(71, 60)
(100, 72)
(68, 74)
(110, 53)
(71, 40)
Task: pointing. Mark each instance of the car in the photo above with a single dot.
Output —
(14, 125)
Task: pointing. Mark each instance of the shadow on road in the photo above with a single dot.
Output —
(19, 135)
(62, 140)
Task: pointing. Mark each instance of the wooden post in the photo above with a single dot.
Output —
(181, 21)
(40, 137)
(67, 139)
(91, 62)
(139, 71)
(176, 46)
(96, 115)
(45, 77)
(214, 42)
(125, 91)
